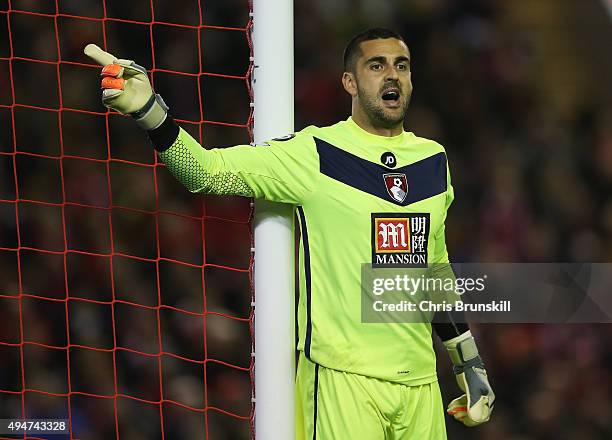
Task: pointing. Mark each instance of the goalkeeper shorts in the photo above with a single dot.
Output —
(336, 405)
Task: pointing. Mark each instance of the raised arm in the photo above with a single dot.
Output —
(281, 171)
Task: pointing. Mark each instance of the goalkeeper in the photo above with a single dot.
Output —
(366, 192)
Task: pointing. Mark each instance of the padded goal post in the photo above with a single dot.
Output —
(274, 228)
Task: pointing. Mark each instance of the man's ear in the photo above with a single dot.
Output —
(350, 83)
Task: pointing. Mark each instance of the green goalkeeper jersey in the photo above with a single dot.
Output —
(360, 199)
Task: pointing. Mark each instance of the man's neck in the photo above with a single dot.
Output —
(365, 123)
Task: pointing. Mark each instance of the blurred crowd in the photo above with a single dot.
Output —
(532, 184)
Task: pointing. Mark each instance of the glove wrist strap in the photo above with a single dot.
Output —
(462, 349)
(152, 114)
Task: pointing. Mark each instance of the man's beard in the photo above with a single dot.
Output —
(376, 112)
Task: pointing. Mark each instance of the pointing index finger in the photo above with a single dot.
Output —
(98, 55)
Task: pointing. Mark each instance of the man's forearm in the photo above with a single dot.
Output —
(474, 406)
(449, 325)
(165, 135)
(192, 165)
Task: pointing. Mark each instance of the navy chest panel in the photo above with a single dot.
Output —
(425, 178)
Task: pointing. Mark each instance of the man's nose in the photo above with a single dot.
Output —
(392, 74)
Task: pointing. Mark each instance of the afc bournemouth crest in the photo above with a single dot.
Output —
(400, 239)
(397, 186)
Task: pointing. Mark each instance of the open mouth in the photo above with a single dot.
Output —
(391, 96)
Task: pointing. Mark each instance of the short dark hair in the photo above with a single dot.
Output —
(352, 51)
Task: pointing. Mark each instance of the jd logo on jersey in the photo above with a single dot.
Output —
(400, 239)
(397, 186)
(388, 159)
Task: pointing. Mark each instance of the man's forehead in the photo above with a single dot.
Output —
(387, 47)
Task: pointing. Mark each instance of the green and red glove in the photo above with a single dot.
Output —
(475, 406)
(126, 89)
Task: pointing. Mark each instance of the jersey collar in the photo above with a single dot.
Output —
(398, 140)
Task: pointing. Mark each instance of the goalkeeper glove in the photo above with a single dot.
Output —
(475, 406)
(126, 88)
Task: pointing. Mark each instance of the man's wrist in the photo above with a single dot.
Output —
(462, 348)
(164, 136)
(153, 114)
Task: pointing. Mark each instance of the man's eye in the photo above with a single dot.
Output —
(376, 66)
(402, 67)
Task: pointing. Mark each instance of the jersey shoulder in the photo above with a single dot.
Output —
(428, 144)
(303, 139)
(297, 141)
(429, 147)
(316, 131)
(339, 135)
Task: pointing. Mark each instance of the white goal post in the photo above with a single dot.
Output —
(274, 228)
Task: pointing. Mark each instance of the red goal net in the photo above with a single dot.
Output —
(125, 301)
